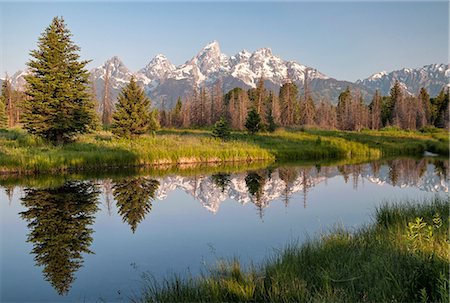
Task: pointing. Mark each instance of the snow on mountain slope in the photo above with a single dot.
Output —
(162, 80)
(433, 77)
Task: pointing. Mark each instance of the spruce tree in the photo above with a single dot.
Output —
(221, 129)
(3, 116)
(59, 104)
(253, 122)
(132, 116)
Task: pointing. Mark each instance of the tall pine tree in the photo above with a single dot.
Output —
(132, 116)
(59, 104)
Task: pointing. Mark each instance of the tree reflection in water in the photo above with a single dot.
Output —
(59, 223)
(134, 198)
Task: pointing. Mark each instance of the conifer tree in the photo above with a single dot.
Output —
(59, 104)
(6, 99)
(343, 110)
(396, 104)
(132, 116)
(221, 129)
(3, 116)
(253, 122)
(424, 108)
(177, 118)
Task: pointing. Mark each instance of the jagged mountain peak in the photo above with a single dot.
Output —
(158, 68)
(265, 51)
(432, 76)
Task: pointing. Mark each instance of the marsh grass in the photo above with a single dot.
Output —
(24, 153)
(373, 264)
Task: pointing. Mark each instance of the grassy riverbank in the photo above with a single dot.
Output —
(23, 153)
(402, 257)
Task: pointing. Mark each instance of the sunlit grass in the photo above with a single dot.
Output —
(24, 153)
(376, 263)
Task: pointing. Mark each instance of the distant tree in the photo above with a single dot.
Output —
(326, 116)
(217, 103)
(134, 198)
(7, 100)
(177, 118)
(423, 109)
(3, 116)
(343, 110)
(236, 102)
(375, 111)
(253, 122)
(221, 129)
(397, 104)
(60, 221)
(60, 104)
(107, 104)
(288, 99)
(132, 116)
(307, 110)
(440, 106)
(258, 98)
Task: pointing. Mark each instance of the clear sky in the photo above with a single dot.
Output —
(345, 40)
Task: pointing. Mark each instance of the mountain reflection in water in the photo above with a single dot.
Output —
(60, 217)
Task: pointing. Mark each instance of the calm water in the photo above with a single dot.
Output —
(90, 240)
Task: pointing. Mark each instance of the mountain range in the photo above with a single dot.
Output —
(162, 80)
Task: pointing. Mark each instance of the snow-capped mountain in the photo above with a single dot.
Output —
(433, 77)
(162, 80)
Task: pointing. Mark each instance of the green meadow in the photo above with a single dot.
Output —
(22, 153)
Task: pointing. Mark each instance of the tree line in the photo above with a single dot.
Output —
(61, 102)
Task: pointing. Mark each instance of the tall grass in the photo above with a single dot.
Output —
(23, 153)
(377, 263)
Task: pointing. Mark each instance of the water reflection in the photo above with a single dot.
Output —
(59, 223)
(60, 213)
(134, 198)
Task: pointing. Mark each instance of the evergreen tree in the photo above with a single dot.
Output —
(424, 108)
(396, 105)
(7, 98)
(60, 104)
(3, 116)
(132, 116)
(343, 110)
(253, 122)
(59, 222)
(221, 129)
(177, 118)
(134, 198)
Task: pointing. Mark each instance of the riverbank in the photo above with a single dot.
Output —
(402, 257)
(21, 153)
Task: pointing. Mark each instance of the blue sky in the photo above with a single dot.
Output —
(345, 40)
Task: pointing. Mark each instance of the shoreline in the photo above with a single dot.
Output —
(23, 154)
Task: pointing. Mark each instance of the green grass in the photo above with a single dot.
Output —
(23, 153)
(394, 260)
